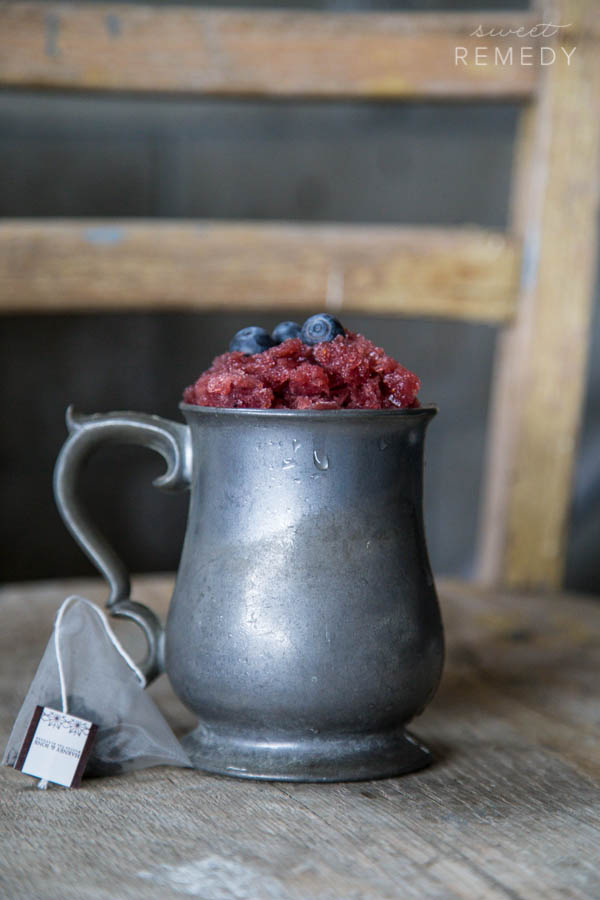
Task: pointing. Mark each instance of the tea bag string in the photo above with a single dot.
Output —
(109, 633)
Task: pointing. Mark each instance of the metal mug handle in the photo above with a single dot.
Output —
(172, 441)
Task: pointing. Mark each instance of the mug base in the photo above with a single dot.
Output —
(361, 757)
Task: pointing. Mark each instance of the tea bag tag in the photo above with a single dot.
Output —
(56, 747)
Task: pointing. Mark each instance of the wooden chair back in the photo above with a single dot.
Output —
(536, 280)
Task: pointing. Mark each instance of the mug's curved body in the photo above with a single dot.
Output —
(304, 629)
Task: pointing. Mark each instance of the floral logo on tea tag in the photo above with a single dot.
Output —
(56, 747)
(73, 725)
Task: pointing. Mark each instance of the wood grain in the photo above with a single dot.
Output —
(462, 273)
(540, 376)
(131, 47)
(509, 811)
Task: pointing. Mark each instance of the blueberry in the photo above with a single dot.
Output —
(321, 327)
(251, 340)
(286, 330)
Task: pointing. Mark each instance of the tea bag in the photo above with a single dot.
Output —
(86, 672)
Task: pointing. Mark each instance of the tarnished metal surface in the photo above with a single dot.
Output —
(304, 629)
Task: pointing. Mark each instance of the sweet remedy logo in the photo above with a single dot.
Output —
(525, 55)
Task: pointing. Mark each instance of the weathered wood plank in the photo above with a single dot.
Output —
(88, 265)
(509, 810)
(257, 53)
(540, 376)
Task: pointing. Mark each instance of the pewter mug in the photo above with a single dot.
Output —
(304, 629)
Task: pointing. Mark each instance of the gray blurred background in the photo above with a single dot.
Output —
(69, 156)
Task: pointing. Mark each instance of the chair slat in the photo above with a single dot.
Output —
(128, 47)
(461, 273)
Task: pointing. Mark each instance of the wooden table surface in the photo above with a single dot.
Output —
(510, 809)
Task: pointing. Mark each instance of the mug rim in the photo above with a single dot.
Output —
(427, 410)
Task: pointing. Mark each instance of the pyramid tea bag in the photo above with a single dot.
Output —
(86, 673)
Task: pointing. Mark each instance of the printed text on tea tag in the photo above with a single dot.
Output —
(56, 747)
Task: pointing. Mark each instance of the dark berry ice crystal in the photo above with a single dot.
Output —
(318, 365)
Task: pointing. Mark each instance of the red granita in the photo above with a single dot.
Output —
(349, 372)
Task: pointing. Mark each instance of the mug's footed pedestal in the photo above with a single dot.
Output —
(360, 757)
